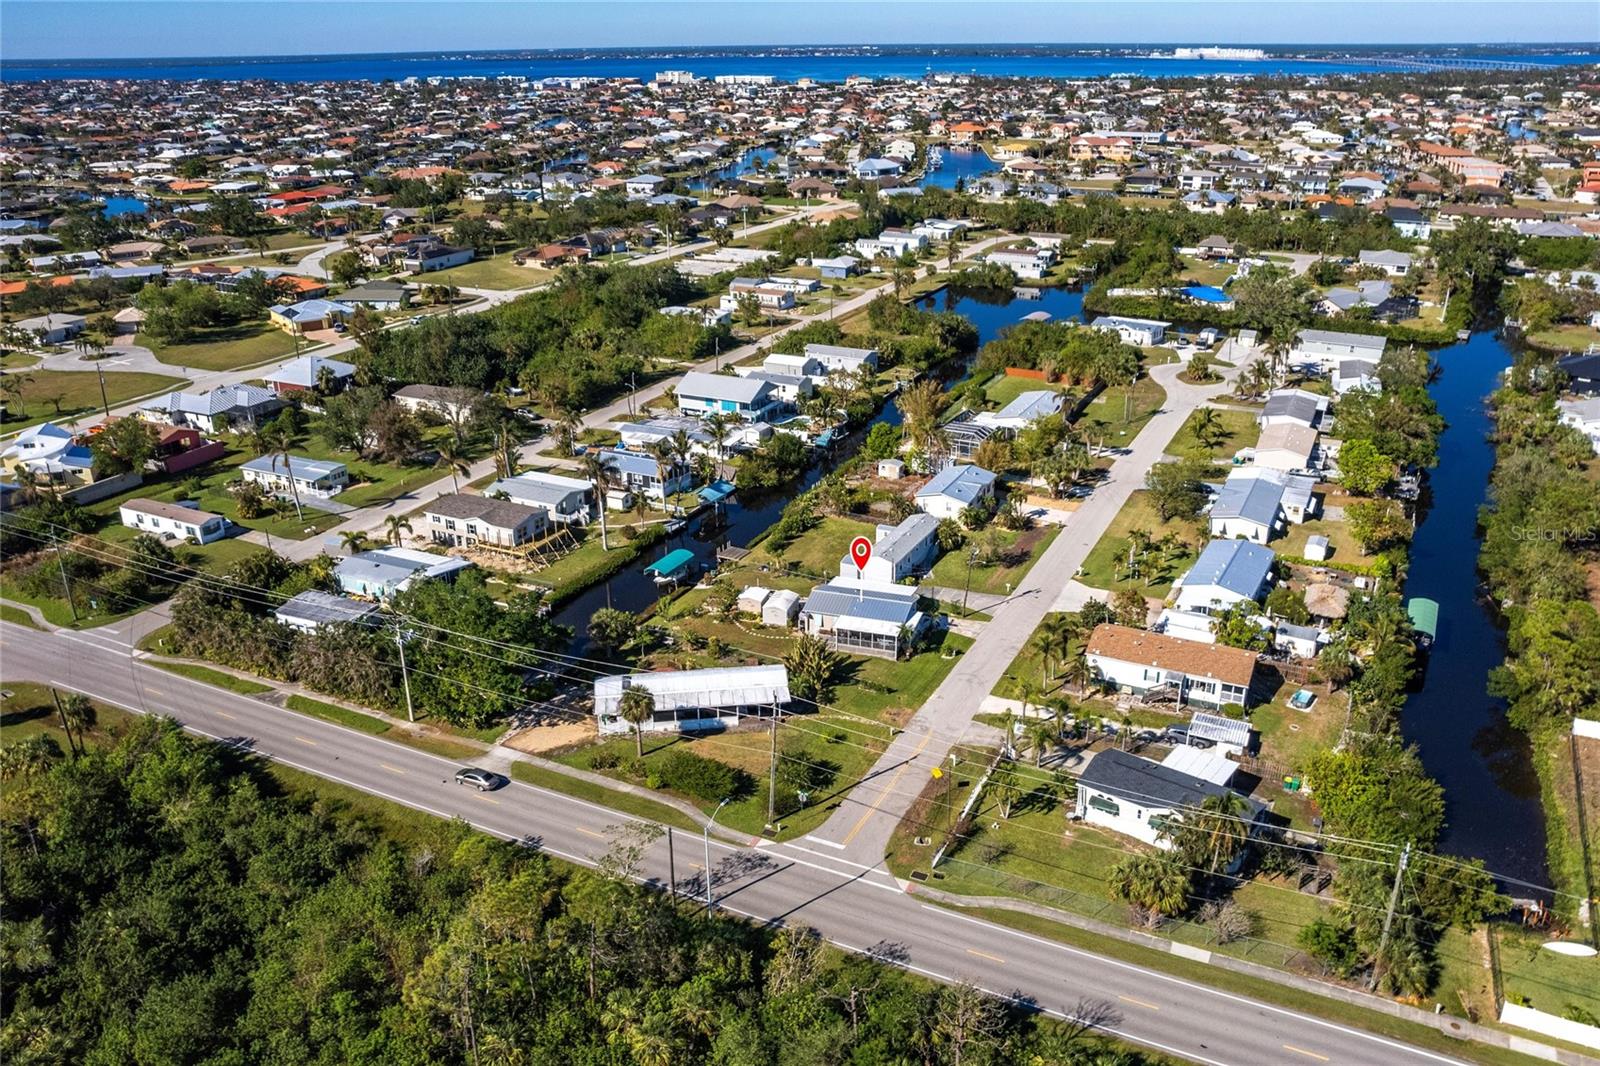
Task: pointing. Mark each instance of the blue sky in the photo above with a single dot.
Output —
(43, 29)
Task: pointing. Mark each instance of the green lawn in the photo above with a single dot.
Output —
(1238, 429)
(1574, 338)
(1106, 565)
(812, 739)
(26, 709)
(1343, 547)
(817, 552)
(1541, 979)
(495, 272)
(223, 347)
(1205, 272)
(16, 616)
(242, 686)
(1112, 419)
(344, 716)
(1022, 550)
(624, 802)
(1003, 388)
(62, 395)
(1028, 666)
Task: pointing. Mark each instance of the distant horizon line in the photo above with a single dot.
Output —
(668, 50)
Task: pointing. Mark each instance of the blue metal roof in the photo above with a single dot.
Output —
(855, 601)
(1236, 565)
(671, 563)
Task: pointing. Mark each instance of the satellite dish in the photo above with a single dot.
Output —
(1570, 947)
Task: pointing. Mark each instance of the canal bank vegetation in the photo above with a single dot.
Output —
(268, 903)
(1540, 563)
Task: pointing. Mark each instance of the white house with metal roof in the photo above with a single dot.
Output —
(898, 552)
(694, 700)
(954, 489)
(226, 406)
(381, 572)
(1023, 411)
(1141, 332)
(837, 358)
(315, 478)
(638, 472)
(1139, 798)
(309, 611)
(307, 373)
(565, 500)
(749, 398)
(162, 519)
(1296, 407)
(865, 618)
(1325, 347)
(1258, 504)
(1227, 572)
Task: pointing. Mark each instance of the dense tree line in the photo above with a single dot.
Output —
(169, 903)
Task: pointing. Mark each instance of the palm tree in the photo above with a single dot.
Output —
(77, 715)
(279, 439)
(666, 457)
(598, 471)
(28, 757)
(352, 541)
(1154, 883)
(636, 708)
(393, 525)
(453, 456)
(1207, 428)
(1045, 648)
(717, 423)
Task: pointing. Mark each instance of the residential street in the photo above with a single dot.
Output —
(861, 829)
(856, 907)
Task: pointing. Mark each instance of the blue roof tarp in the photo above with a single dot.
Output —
(717, 491)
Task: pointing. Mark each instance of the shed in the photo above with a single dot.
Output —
(892, 468)
(752, 599)
(781, 608)
(1317, 547)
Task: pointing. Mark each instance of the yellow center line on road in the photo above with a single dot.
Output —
(1307, 1054)
(590, 832)
(985, 955)
(1138, 1003)
(391, 769)
(894, 780)
(225, 714)
(303, 740)
(487, 799)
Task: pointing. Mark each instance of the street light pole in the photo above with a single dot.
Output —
(711, 902)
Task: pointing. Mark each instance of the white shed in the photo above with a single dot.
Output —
(781, 608)
(892, 468)
(752, 599)
(1317, 547)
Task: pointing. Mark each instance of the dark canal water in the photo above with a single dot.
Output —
(749, 514)
(1485, 766)
(957, 165)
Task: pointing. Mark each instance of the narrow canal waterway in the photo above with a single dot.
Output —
(1491, 792)
(749, 514)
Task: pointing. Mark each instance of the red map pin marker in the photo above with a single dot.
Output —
(861, 552)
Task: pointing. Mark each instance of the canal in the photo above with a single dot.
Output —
(1491, 793)
(957, 165)
(749, 514)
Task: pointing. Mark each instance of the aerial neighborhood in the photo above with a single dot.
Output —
(1097, 492)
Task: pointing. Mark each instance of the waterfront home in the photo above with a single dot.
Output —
(694, 700)
(837, 359)
(750, 398)
(1353, 375)
(1582, 415)
(381, 572)
(1153, 666)
(1027, 408)
(1140, 332)
(1140, 798)
(898, 552)
(309, 611)
(1286, 446)
(865, 618)
(1325, 347)
(176, 520)
(316, 478)
(1293, 407)
(638, 472)
(55, 328)
(1024, 264)
(224, 407)
(954, 489)
(564, 500)
(1227, 572)
(1582, 373)
(461, 520)
(1259, 504)
(311, 372)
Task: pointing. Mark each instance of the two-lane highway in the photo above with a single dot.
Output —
(858, 907)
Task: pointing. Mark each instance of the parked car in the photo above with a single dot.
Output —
(482, 780)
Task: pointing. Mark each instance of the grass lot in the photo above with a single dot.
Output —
(365, 723)
(495, 272)
(26, 710)
(1542, 979)
(1022, 550)
(1205, 272)
(579, 569)
(78, 392)
(1290, 737)
(242, 686)
(1106, 563)
(55, 608)
(1574, 338)
(16, 616)
(812, 739)
(17, 360)
(1344, 548)
(624, 802)
(1110, 419)
(1240, 431)
(1001, 389)
(223, 347)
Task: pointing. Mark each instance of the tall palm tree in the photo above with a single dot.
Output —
(636, 707)
(279, 439)
(718, 423)
(666, 456)
(393, 525)
(352, 541)
(1207, 428)
(77, 716)
(453, 456)
(599, 472)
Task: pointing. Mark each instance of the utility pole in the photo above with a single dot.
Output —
(672, 868)
(105, 405)
(405, 677)
(66, 586)
(1388, 917)
(772, 771)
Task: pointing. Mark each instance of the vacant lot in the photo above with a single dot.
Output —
(47, 395)
(495, 272)
(1107, 564)
(1234, 430)
(223, 347)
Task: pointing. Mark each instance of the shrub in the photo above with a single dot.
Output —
(704, 779)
